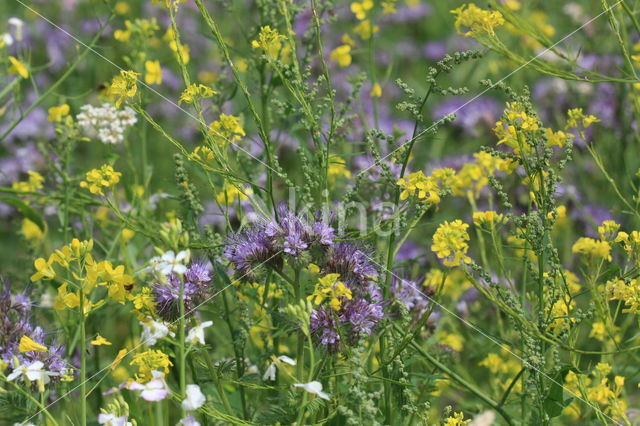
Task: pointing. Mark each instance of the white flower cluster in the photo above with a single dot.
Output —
(105, 122)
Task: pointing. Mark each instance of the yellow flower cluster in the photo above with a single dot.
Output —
(202, 153)
(231, 192)
(577, 119)
(153, 72)
(180, 50)
(471, 179)
(453, 340)
(560, 311)
(450, 243)
(195, 91)
(503, 367)
(592, 248)
(148, 361)
(476, 21)
(599, 390)
(627, 292)
(123, 86)
(513, 127)
(341, 55)
(57, 113)
(488, 218)
(329, 288)
(98, 179)
(631, 244)
(360, 9)
(454, 285)
(87, 275)
(227, 129)
(32, 184)
(269, 41)
(456, 420)
(17, 67)
(337, 168)
(143, 28)
(424, 188)
(366, 29)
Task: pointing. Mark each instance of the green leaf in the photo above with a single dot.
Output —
(27, 211)
(554, 403)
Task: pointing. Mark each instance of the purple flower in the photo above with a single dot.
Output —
(352, 264)
(470, 114)
(248, 249)
(361, 316)
(323, 325)
(411, 295)
(195, 289)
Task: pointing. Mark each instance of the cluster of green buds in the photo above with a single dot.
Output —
(301, 313)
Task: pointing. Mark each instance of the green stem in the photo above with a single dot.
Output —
(181, 351)
(83, 362)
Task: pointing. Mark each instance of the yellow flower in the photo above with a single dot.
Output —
(328, 287)
(149, 361)
(366, 29)
(456, 420)
(32, 184)
(341, 55)
(361, 9)
(202, 153)
(31, 231)
(123, 86)
(477, 21)
(389, 7)
(454, 341)
(18, 68)
(376, 91)
(592, 248)
(44, 270)
(450, 243)
(608, 229)
(515, 121)
(558, 138)
(119, 357)
(99, 341)
(337, 168)
(425, 188)
(269, 41)
(57, 113)
(65, 299)
(577, 119)
(153, 73)
(118, 283)
(27, 344)
(488, 217)
(227, 129)
(195, 91)
(230, 192)
(97, 179)
(122, 8)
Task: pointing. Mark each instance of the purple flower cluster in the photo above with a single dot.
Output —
(289, 237)
(411, 295)
(15, 322)
(268, 242)
(357, 317)
(196, 287)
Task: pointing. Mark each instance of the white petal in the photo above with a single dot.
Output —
(287, 360)
(182, 255)
(169, 256)
(270, 374)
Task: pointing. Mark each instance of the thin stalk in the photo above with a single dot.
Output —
(83, 362)
(182, 361)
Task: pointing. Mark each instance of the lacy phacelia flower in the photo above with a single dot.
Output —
(195, 289)
(105, 122)
(98, 179)
(424, 188)
(477, 21)
(450, 243)
(410, 294)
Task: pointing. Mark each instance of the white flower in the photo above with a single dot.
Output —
(194, 399)
(486, 418)
(314, 388)
(155, 390)
(152, 331)
(171, 262)
(188, 421)
(196, 334)
(7, 39)
(105, 122)
(32, 372)
(110, 419)
(270, 374)
(18, 25)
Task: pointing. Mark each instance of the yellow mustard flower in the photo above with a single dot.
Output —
(100, 341)
(341, 55)
(476, 21)
(227, 129)
(99, 179)
(424, 188)
(450, 243)
(376, 90)
(366, 29)
(31, 231)
(360, 9)
(592, 248)
(153, 74)
(149, 361)
(57, 113)
(269, 41)
(195, 91)
(27, 344)
(17, 67)
(123, 86)
(329, 288)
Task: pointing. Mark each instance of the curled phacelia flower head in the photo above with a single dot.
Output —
(197, 280)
